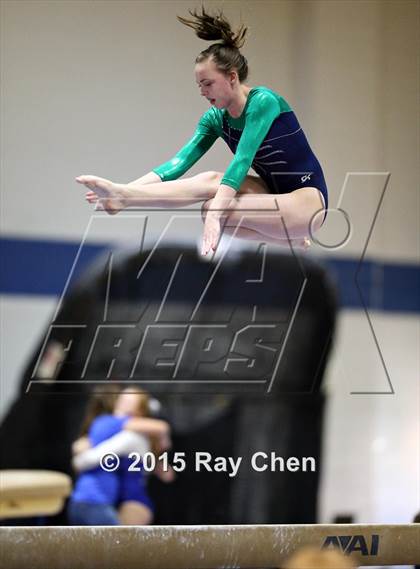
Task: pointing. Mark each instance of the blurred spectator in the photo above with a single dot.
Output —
(119, 424)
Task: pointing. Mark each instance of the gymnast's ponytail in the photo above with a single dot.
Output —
(226, 54)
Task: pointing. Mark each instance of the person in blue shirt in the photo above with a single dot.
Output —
(285, 203)
(118, 497)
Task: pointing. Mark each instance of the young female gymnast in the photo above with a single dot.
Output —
(120, 425)
(284, 203)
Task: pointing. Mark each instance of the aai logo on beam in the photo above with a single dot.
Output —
(353, 544)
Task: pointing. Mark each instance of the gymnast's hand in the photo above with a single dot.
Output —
(222, 203)
(105, 194)
(211, 234)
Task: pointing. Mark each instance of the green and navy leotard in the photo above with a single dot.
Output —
(267, 137)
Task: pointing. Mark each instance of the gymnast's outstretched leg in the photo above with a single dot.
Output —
(257, 213)
(150, 191)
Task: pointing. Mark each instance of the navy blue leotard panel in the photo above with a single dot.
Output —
(284, 160)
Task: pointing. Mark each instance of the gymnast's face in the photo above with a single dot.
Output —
(215, 86)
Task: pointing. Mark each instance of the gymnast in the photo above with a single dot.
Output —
(120, 425)
(284, 204)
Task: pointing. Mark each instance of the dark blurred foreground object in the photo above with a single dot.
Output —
(417, 521)
(343, 519)
(236, 352)
(312, 558)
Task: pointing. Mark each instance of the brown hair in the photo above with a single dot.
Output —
(103, 402)
(226, 55)
(100, 403)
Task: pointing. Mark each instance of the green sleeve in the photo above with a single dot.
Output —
(262, 111)
(203, 138)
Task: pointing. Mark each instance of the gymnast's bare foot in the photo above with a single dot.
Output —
(104, 193)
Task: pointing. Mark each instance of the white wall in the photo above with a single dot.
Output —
(107, 87)
(372, 442)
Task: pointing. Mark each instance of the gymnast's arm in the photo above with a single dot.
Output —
(80, 445)
(132, 438)
(120, 444)
(153, 428)
(262, 111)
(202, 140)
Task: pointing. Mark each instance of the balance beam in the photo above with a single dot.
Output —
(200, 547)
